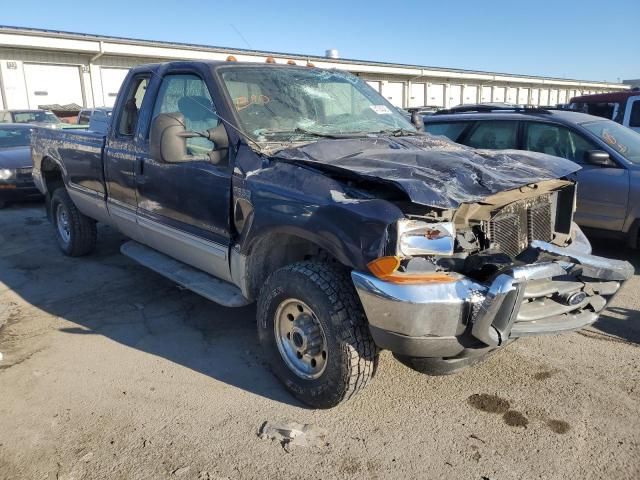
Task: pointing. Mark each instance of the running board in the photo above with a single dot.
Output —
(197, 281)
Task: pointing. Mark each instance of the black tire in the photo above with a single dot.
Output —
(351, 355)
(81, 229)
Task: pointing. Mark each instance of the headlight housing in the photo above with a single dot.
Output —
(6, 174)
(416, 237)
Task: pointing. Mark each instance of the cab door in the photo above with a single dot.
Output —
(120, 155)
(183, 208)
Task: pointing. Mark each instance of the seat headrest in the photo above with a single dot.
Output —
(195, 107)
(549, 137)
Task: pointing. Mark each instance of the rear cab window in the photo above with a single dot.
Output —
(131, 109)
(83, 118)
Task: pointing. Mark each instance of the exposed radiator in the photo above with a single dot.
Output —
(513, 227)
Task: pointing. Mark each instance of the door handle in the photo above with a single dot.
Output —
(139, 167)
(138, 171)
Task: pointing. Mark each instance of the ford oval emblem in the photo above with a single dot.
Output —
(576, 298)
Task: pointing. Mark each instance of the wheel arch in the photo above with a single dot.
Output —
(276, 249)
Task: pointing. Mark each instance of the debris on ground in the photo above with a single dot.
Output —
(293, 433)
(181, 471)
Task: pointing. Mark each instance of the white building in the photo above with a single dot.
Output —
(42, 67)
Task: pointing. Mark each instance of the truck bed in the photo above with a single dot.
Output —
(78, 153)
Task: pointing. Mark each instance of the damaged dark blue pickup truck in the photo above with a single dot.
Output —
(306, 191)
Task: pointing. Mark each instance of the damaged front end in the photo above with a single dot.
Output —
(460, 282)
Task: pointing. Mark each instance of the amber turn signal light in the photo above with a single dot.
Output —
(386, 268)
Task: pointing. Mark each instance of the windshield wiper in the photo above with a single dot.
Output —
(399, 132)
(314, 133)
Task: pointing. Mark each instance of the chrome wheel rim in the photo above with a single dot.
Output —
(62, 222)
(300, 338)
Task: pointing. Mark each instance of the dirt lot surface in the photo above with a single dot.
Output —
(110, 371)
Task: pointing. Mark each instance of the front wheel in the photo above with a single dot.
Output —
(76, 233)
(314, 334)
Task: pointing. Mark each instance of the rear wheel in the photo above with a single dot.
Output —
(76, 233)
(314, 333)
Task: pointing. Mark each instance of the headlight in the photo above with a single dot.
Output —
(416, 237)
(6, 174)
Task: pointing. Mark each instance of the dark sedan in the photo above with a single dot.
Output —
(16, 183)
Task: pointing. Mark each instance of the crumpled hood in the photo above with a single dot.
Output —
(431, 170)
(15, 157)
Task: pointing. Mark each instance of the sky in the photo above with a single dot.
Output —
(585, 40)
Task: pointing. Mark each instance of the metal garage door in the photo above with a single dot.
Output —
(544, 98)
(562, 98)
(454, 95)
(498, 94)
(111, 79)
(512, 95)
(523, 96)
(470, 94)
(48, 84)
(416, 96)
(393, 91)
(553, 98)
(435, 94)
(485, 97)
(375, 85)
(535, 96)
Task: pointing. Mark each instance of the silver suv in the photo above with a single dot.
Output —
(609, 154)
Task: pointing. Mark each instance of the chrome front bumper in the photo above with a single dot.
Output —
(564, 292)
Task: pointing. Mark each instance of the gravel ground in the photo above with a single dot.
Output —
(110, 371)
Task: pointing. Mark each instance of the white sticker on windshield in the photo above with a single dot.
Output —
(380, 109)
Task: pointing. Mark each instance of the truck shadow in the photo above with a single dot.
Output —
(618, 321)
(107, 294)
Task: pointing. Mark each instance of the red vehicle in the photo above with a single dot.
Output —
(621, 107)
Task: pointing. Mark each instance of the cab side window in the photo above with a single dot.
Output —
(452, 131)
(634, 119)
(494, 135)
(188, 94)
(129, 116)
(557, 141)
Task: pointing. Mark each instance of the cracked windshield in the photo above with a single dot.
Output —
(286, 104)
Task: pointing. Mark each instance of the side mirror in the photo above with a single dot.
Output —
(598, 157)
(220, 139)
(417, 120)
(168, 138)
